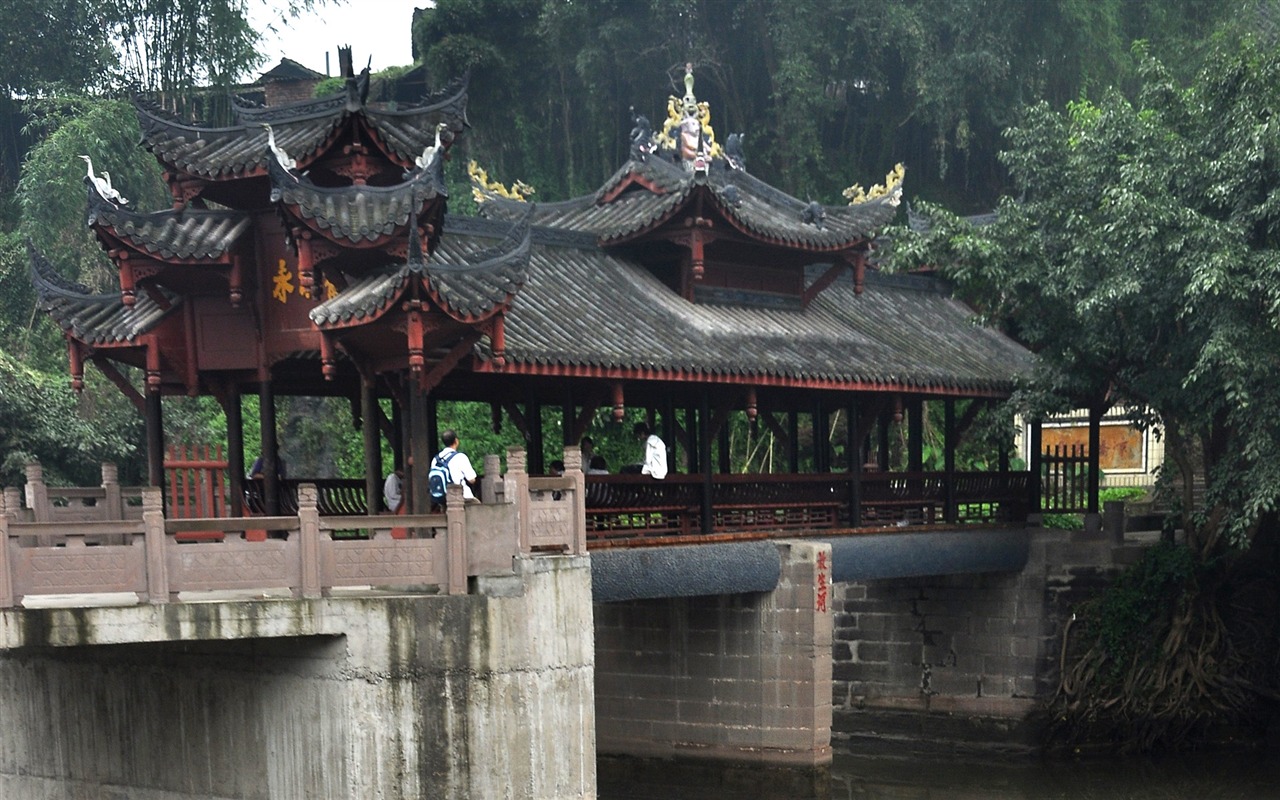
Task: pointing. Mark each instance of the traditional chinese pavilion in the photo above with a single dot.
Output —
(308, 251)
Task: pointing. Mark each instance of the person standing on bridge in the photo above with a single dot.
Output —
(459, 466)
(655, 452)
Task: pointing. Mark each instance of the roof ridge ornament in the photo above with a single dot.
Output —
(102, 184)
(891, 188)
(483, 189)
(282, 158)
(687, 133)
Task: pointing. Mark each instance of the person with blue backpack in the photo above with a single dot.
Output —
(450, 466)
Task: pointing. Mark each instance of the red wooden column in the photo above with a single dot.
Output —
(420, 450)
(915, 435)
(853, 449)
(1095, 450)
(704, 434)
(1035, 466)
(372, 445)
(950, 445)
(269, 452)
(235, 449)
(155, 438)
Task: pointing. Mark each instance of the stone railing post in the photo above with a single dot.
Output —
(309, 535)
(112, 504)
(37, 493)
(517, 488)
(155, 542)
(573, 467)
(11, 502)
(491, 486)
(455, 540)
(6, 576)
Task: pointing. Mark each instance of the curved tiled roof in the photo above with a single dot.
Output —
(189, 233)
(301, 129)
(470, 283)
(357, 213)
(653, 190)
(100, 319)
(582, 307)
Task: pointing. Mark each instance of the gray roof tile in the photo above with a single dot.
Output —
(357, 213)
(96, 318)
(749, 203)
(301, 130)
(581, 306)
(189, 233)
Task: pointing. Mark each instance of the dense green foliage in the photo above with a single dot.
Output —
(1140, 260)
(828, 92)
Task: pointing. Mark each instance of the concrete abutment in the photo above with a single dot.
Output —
(732, 677)
(411, 696)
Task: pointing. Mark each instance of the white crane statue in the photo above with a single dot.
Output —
(281, 156)
(431, 151)
(103, 184)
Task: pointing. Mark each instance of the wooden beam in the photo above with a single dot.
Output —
(431, 378)
(966, 419)
(517, 418)
(588, 414)
(121, 382)
(774, 427)
(824, 280)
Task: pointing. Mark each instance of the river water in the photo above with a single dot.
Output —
(1197, 777)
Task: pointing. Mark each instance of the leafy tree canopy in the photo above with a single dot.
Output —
(828, 92)
(1140, 261)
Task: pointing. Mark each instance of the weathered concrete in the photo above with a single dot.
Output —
(740, 678)
(488, 694)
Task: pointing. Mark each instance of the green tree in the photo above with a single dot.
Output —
(1140, 263)
(828, 92)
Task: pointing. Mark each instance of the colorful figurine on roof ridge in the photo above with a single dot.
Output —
(687, 131)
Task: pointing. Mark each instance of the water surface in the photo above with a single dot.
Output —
(1251, 776)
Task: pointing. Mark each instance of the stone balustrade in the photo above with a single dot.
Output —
(84, 541)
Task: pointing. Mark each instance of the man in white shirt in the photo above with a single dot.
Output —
(460, 470)
(655, 452)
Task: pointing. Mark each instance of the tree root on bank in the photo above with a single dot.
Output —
(1195, 687)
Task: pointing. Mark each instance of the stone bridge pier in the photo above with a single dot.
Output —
(735, 668)
(405, 696)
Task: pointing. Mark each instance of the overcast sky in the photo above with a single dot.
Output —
(377, 28)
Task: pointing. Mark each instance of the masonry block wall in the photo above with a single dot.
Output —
(279, 93)
(961, 659)
(743, 677)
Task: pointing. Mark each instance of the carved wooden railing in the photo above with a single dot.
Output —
(103, 548)
(335, 496)
(637, 507)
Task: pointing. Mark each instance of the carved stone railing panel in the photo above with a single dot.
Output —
(380, 562)
(232, 564)
(77, 569)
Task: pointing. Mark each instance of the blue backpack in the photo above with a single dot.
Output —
(438, 478)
